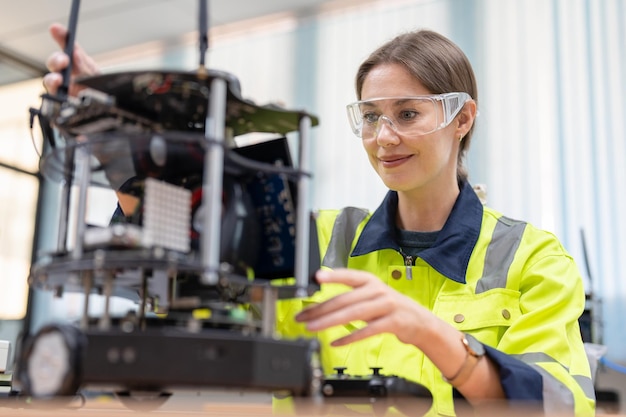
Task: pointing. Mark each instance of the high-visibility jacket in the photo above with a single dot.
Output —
(509, 284)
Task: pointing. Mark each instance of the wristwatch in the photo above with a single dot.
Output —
(475, 351)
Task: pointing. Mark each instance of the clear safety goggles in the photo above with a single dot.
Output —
(410, 116)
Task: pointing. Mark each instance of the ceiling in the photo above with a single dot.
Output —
(105, 26)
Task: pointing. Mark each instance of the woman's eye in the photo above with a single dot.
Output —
(407, 115)
(370, 117)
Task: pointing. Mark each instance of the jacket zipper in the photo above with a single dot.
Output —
(408, 264)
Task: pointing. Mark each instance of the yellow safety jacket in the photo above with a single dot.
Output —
(511, 285)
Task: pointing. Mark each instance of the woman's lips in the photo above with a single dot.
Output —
(394, 161)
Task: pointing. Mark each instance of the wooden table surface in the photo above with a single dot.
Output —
(213, 404)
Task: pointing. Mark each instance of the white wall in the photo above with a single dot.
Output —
(550, 137)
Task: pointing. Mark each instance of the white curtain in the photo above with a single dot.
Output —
(550, 138)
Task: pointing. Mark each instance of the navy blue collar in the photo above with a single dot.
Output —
(450, 253)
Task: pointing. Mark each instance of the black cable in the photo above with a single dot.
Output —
(203, 31)
(69, 48)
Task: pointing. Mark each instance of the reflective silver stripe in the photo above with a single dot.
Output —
(587, 385)
(557, 393)
(534, 357)
(558, 400)
(505, 241)
(344, 231)
(500, 253)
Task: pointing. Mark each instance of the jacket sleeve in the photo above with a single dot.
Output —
(547, 336)
(520, 381)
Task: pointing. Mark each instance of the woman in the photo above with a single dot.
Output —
(433, 286)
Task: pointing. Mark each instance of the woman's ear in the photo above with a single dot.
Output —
(465, 118)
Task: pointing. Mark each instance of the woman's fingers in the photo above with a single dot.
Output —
(58, 33)
(371, 301)
(52, 81)
(340, 276)
(373, 328)
(327, 314)
(383, 309)
(82, 65)
(331, 306)
(57, 61)
(351, 300)
(350, 277)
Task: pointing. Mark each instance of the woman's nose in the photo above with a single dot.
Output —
(386, 132)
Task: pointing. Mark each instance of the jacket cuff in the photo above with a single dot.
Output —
(519, 380)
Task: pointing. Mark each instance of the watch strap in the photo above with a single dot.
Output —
(471, 360)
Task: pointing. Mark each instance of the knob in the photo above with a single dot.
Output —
(376, 371)
(340, 370)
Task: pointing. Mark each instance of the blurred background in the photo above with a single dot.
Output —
(549, 144)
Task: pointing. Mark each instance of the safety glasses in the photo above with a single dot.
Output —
(407, 116)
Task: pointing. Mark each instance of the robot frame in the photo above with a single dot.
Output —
(214, 235)
(200, 250)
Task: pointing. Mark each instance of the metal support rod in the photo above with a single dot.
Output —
(268, 310)
(66, 195)
(143, 303)
(83, 174)
(212, 182)
(87, 278)
(303, 210)
(105, 319)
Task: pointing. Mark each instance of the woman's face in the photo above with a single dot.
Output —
(407, 163)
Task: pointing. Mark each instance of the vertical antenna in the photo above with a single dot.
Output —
(69, 48)
(203, 33)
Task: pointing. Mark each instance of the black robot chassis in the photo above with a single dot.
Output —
(199, 309)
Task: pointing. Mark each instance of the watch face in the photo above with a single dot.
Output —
(476, 348)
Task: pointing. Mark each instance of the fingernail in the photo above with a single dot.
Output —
(321, 274)
(57, 60)
(312, 326)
